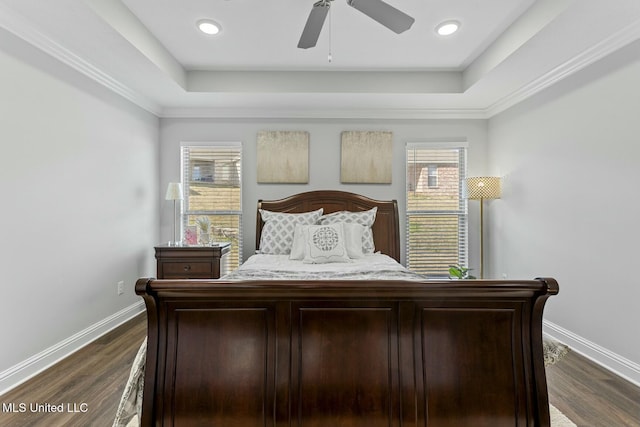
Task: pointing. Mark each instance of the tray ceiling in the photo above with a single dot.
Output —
(152, 53)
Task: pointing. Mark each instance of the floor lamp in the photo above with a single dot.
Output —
(481, 188)
(174, 192)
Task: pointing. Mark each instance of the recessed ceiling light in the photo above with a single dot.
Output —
(208, 26)
(447, 28)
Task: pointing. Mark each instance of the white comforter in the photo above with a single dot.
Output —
(280, 267)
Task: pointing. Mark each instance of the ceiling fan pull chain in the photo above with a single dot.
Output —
(330, 58)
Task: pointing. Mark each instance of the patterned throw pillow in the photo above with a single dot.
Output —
(278, 228)
(324, 244)
(365, 218)
(352, 240)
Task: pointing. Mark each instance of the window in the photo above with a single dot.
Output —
(212, 178)
(432, 176)
(436, 208)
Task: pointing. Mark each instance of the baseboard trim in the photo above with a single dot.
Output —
(609, 360)
(21, 372)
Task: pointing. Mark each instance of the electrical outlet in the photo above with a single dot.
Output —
(121, 287)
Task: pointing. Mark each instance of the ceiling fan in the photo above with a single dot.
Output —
(392, 18)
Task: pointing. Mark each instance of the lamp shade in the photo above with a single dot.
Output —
(483, 187)
(174, 191)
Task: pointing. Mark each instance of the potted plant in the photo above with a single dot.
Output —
(458, 272)
(204, 224)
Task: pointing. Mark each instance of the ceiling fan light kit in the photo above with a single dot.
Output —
(387, 15)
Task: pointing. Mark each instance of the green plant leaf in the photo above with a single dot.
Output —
(459, 272)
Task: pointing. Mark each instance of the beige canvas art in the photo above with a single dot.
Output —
(283, 157)
(366, 157)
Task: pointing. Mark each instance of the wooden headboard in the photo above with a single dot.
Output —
(386, 228)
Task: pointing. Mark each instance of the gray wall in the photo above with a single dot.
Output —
(570, 209)
(324, 157)
(79, 184)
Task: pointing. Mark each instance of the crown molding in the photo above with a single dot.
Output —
(627, 35)
(332, 113)
(17, 25)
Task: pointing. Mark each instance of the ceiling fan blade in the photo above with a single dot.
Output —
(392, 18)
(312, 29)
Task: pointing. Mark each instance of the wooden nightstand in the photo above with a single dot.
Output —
(192, 262)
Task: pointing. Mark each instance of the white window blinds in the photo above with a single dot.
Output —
(212, 178)
(436, 208)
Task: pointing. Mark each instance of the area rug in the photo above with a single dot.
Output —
(553, 351)
(558, 419)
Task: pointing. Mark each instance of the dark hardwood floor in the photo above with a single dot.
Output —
(96, 375)
(592, 396)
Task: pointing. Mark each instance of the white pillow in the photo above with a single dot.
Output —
(352, 240)
(353, 234)
(365, 218)
(299, 242)
(325, 243)
(278, 229)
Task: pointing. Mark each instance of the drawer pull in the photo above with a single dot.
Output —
(187, 267)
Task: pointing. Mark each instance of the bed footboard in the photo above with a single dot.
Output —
(351, 353)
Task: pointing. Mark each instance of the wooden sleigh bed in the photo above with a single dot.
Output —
(330, 353)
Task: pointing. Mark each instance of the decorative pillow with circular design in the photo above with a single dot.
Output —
(324, 244)
(352, 238)
(365, 218)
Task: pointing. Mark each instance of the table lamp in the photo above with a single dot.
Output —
(174, 192)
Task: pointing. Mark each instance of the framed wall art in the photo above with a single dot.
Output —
(366, 157)
(283, 157)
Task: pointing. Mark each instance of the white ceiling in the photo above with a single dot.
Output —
(262, 35)
(151, 52)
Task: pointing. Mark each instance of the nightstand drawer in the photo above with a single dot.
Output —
(187, 268)
(192, 262)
